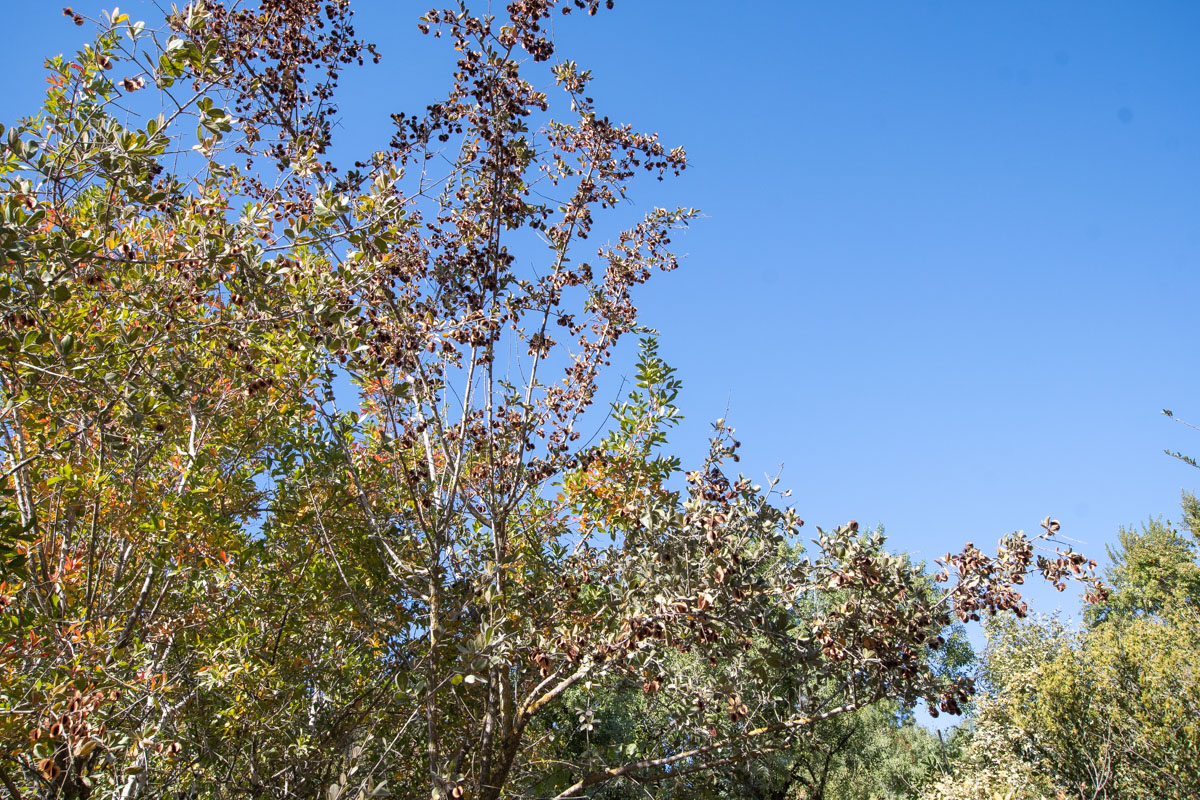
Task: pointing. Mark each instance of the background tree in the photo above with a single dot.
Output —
(1106, 710)
(875, 751)
(1156, 568)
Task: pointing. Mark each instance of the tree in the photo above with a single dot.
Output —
(219, 583)
(876, 751)
(1106, 710)
(989, 766)
(1156, 568)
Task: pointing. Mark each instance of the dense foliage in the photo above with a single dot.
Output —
(1107, 710)
(219, 583)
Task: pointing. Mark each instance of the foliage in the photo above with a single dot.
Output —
(1108, 710)
(876, 751)
(218, 583)
(1156, 568)
(988, 767)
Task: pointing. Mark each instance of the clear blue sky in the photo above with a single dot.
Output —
(948, 273)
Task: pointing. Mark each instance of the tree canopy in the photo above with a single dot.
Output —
(1104, 710)
(217, 582)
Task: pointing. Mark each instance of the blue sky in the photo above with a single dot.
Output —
(948, 270)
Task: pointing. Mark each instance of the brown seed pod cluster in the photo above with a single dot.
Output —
(74, 739)
(282, 61)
